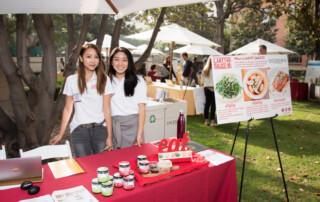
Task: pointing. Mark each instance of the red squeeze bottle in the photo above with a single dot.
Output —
(181, 125)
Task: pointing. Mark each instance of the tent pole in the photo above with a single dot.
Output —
(170, 73)
(114, 8)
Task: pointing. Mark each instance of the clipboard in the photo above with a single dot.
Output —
(148, 80)
(65, 168)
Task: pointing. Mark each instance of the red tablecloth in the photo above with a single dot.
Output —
(216, 183)
(299, 91)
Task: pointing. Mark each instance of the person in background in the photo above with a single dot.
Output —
(166, 64)
(195, 70)
(129, 99)
(207, 80)
(161, 71)
(89, 92)
(187, 69)
(262, 50)
(61, 65)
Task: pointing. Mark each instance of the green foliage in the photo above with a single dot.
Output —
(297, 73)
(303, 27)
(298, 141)
(58, 87)
(249, 27)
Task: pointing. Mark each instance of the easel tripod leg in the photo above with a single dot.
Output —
(235, 137)
(244, 159)
(283, 179)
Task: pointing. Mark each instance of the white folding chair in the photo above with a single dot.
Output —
(3, 153)
(49, 151)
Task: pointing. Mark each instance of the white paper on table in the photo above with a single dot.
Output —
(9, 186)
(215, 158)
(45, 198)
(76, 194)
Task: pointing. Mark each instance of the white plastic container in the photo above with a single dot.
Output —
(154, 124)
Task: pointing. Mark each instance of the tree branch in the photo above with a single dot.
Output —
(24, 69)
(146, 53)
(116, 35)
(70, 32)
(45, 30)
(102, 30)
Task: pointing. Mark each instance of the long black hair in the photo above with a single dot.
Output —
(131, 78)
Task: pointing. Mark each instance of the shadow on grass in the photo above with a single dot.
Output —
(258, 186)
(292, 135)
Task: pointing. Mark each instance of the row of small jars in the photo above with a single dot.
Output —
(104, 183)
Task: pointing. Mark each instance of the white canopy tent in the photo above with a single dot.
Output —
(175, 33)
(120, 7)
(198, 50)
(140, 50)
(107, 43)
(252, 48)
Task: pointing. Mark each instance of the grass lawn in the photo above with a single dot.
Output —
(298, 138)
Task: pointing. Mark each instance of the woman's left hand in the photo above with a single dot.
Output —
(109, 145)
(139, 141)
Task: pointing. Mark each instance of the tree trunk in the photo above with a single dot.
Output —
(146, 54)
(219, 36)
(70, 32)
(116, 35)
(23, 116)
(9, 130)
(102, 30)
(317, 42)
(48, 78)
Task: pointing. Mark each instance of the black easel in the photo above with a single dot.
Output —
(245, 154)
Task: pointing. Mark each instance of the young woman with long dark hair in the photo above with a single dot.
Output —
(89, 92)
(129, 99)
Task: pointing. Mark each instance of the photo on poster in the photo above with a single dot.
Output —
(279, 82)
(228, 86)
(255, 84)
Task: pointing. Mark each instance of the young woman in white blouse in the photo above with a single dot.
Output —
(89, 92)
(207, 80)
(129, 99)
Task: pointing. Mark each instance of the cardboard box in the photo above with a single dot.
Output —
(154, 123)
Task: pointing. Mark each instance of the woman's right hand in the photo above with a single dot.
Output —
(55, 140)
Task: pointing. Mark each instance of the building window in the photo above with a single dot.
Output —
(294, 58)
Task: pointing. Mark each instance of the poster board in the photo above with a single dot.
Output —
(313, 72)
(255, 86)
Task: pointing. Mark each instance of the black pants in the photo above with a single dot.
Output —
(210, 101)
(163, 79)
